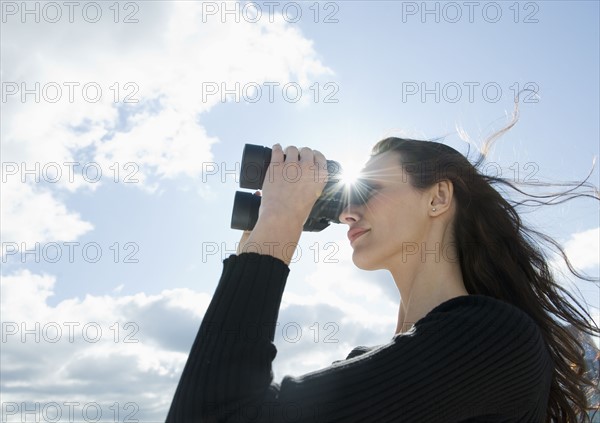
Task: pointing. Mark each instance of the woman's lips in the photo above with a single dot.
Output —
(355, 233)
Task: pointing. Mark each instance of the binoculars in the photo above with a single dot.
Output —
(255, 162)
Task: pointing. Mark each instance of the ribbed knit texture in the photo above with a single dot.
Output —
(471, 359)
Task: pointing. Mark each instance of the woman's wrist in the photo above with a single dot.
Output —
(274, 235)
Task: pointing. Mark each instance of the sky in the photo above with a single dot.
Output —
(122, 129)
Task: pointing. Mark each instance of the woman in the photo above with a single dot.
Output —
(475, 339)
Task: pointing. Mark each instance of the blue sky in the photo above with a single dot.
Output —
(174, 214)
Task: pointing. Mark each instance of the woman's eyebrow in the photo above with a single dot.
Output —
(376, 176)
(380, 174)
(369, 182)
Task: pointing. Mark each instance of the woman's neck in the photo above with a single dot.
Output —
(423, 285)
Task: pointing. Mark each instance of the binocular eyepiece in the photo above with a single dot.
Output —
(255, 162)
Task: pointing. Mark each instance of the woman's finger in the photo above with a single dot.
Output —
(291, 154)
(306, 156)
(321, 163)
(277, 154)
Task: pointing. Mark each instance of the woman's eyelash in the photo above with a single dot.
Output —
(371, 186)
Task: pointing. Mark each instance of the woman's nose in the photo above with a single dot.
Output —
(350, 214)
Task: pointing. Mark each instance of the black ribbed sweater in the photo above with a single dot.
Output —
(472, 358)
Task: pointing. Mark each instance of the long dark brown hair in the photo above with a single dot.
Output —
(514, 254)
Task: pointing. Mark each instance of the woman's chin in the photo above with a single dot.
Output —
(363, 262)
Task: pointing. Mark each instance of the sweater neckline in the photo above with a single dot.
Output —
(460, 299)
(469, 298)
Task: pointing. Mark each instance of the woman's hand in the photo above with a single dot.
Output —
(290, 190)
(292, 185)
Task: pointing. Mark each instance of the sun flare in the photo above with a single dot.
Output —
(350, 173)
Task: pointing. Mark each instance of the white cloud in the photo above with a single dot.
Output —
(167, 59)
(98, 349)
(169, 142)
(31, 214)
(583, 249)
(109, 346)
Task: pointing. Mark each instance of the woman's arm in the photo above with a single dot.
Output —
(230, 361)
(231, 356)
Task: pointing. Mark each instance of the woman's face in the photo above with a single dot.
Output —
(395, 218)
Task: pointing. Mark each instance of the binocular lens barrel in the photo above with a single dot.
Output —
(255, 162)
(245, 211)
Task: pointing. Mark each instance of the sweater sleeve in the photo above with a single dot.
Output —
(469, 357)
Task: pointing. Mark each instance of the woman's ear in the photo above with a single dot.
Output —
(440, 197)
